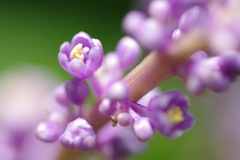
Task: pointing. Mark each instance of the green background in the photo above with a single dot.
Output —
(32, 31)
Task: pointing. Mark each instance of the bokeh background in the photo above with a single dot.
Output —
(31, 32)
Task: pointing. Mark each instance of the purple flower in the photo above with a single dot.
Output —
(118, 142)
(128, 51)
(215, 73)
(107, 107)
(169, 114)
(118, 91)
(117, 95)
(79, 136)
(124, 119)
(190, 18)
(109, 72)
(77, 91)
(159, 9)
(49, 131)
(82, 57)
(149, 35)
(142, 126)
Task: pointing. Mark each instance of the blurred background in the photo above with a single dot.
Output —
(31, 32)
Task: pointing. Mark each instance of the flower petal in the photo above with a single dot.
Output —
(82, 38)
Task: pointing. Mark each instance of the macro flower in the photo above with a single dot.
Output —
(82, 57)
(175, 32)
(169, 113)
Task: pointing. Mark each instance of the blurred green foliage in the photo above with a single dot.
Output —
(32, 31)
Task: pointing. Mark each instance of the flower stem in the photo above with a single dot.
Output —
(156, 68)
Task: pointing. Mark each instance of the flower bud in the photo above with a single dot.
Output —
(77, 91)
(143, 129)
(118, 92)
(79, 136)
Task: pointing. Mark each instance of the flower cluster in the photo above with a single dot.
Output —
(164, 112)
(165, 29)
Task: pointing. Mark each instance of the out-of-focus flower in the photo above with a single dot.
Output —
(149, 35)
(116, 143)
(82, 57)
(66, 116)
(166, 18)
(23, 91)
(215, 73)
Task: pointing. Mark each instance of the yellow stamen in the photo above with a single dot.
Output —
(76, 52)
(175, 115)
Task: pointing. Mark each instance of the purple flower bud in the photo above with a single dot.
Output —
(189, 18)
(82, 57)
(49, 131)
(77, 91)
(143, 129)
(180, 6)
(132, 21)
(201, 72)
(207, 73)
(118, 92)
(61, 96)
(150, 34)
(79, 136)
(107, 108)
(110, 70)
(128, 52)
(214, 77)
(142, 126)
(169, 114)
(159, 9)
(124, 119)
